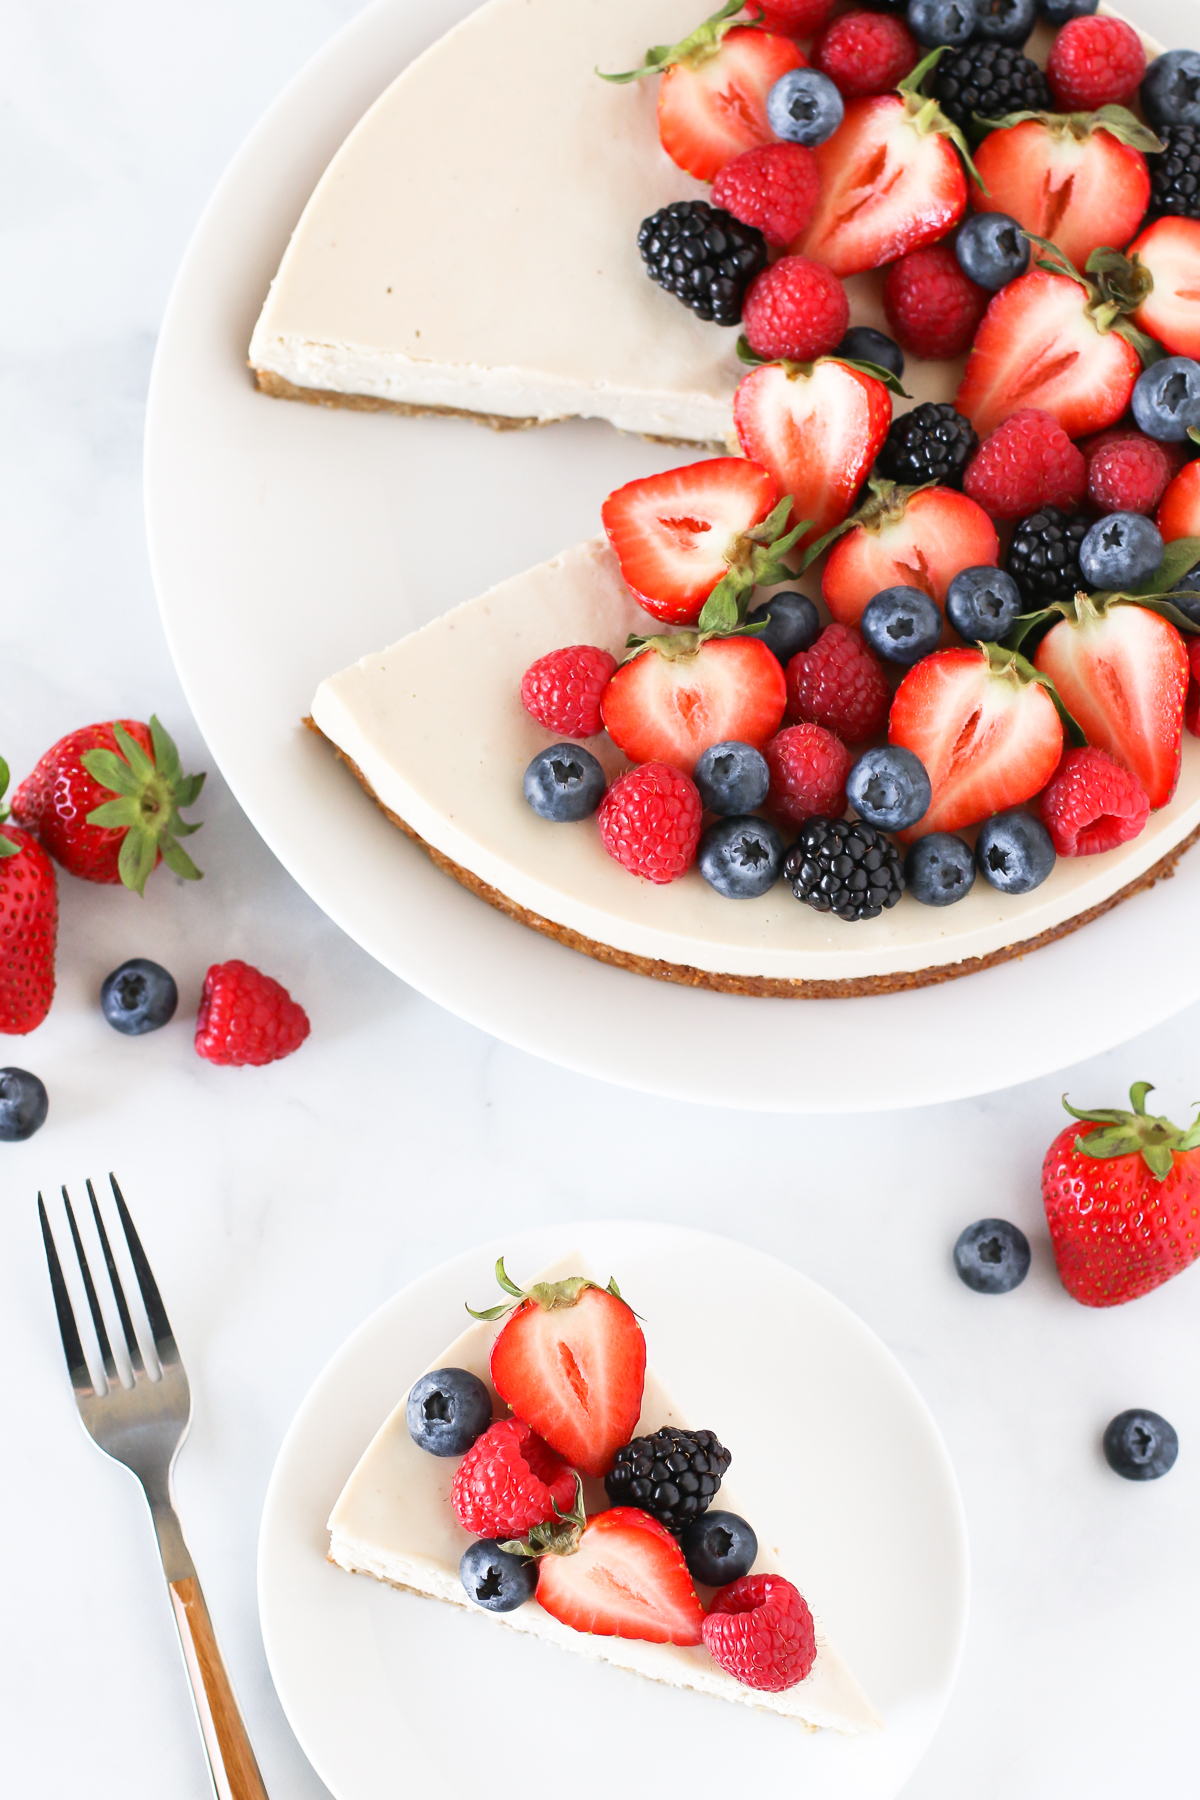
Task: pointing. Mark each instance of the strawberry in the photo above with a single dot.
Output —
(1095, 62)
(712, 104)
(1122, 672)
(680, 694)
(1179, 510)
(1170, 249)
(247, 1017)
(626, 1579)
(985, 728)
(761, 1632)
(1079, 179)
(1092, 804)
(509, 1481)
(1122, 1201)
(906, 537)
(562, 690)
(818, 428)
(105, 803)
(28, 927)
(649, 822)
(570, 1361)
(677, 534)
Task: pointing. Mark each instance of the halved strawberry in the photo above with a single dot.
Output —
(676, 534)
(906, 537)
(985, 728)
(1170, 249)
(1067, 178)
(1038, 345)
(1179, 509)
(571, 1362)
(713, 104)
(817, 428)
(1122, 671)
(627, 1579)
(680, 695)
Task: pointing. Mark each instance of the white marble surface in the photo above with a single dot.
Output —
(280, 1206)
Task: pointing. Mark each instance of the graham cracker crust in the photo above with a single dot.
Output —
(761, 986)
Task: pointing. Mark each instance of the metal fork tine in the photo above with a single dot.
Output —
(81, 1378)
(131, 1343)
(156, 1312)
(106, 1355)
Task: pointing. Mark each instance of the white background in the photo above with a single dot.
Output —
(280, 1206)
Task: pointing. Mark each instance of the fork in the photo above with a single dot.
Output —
(143, 1427)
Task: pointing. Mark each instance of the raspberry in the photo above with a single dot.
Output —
(1093, 804)
(840, 685)
(1027, 463)
(246, 1017)
(931, 306)
(809, 766)
(1095, 62)
(1191, 710)
(1126, 472)
(761, 1632)
(650, 822)
(865, 53)
(774, 188)
(562, 691)
(509, 1481)
(796, 18)
(797, 308)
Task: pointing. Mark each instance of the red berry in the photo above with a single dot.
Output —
(796, 18)
(1093, 804)
(795, 309)
(840, 685)
(28, 930)
(509, 1481)
(865, 53)
(1095, 62)
(650, 822)
(1027, 462)
(932, 308)
(1191, 711)
(809, 766)
(761, 1632)
(246, 1017)
(562, 690)
(1127, 472)
(774, 187)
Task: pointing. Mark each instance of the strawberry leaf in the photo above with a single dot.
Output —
(926, 116)
(551, 1539)
(1135, 1133)
(1118, 121)
(796, 369)
(1179, 558)
(150, 789)
(1000, 659)
(698, 45)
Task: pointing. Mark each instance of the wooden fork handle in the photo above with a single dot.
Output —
(234, 1769)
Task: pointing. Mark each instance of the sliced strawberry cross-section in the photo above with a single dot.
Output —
(682, 693)
(627, 1579)
(713, 105)
(1170, 249)
(906, 537)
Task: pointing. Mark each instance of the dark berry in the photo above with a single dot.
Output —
(982, 603)
(1186, 594)
(741, 857)
(672, 1474)
(845, 867)
(1166, 399)
(1140, 1445)
(889, 787)
(804, 107)
(718, 1549)
(793, 624)
(139, 996)
(1043, 557)
(1014, 852)
(901, 624)
(1175, 175)
(446, 1410)
(704, 256)
(1120, 551)
(933, 442)
(939, 869)
(943, 21)
(1006, 21)
(1170, 90)
(988, 81)
(991, 249)
(862, 343)
(992, 1256)
(732, 778)
(1057, 12)
(24, 1104)
(564, 783)
(497, 1579)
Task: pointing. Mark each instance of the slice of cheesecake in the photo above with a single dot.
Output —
(394, 1520)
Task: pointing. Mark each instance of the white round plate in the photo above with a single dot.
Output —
(390, 1692)
(289, 540)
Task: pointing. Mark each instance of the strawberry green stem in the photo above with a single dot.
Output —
(1135, 1133)
(694, 49)
(552, 1296)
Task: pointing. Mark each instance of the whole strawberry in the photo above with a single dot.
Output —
(28, 927)
(1121, 1200)
(247, 1017)
(105, 802)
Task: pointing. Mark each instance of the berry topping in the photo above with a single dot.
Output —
(674, 699)
(809, 766)
(939, 869)
(1014, 852)
(509, 1481)
(702, 255)
(773, 188)
(889, 788)
(24, 1104)
(718, 1548)
(1057, 12)
(982, 604)
(741, 857)
(951, 22)
(792, 623)
(845, 867)
(1007, 21)
(1026, 463)
(991, 249)
(713, 106)
(1170, 250)
(905, 538)
(497, 1579)
(761, 1632)
(1078, 178)
(990, 80)
(931, 306)
(1140, 1445)
(862, 343)
(1127, 473)
(901, 624)
(795, 309)
(28, 928)
(1043, 556)
(247, 1017)
(1166, 399)
(1093, 804)
(564, 783)
(1175, 175)
(865, 53)
(626, 1579)
(672, 1474)
(1121, 551)
(1170, 92)
(804, 107)
(840, 685)
(732, 778)
(992, 1256)
(562, 690)
(140, 996)
(446, 1410)
(797, 18)
(1095, 62)
(933, 442)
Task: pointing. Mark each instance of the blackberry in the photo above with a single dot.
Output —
(1175, 175)
(1043, 558)
(671, 1474)
(704, 256)
(930, 443)
(845, 867)
(989, 79)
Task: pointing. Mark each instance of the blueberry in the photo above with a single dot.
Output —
(1120, 551)
(981, 604)
(140, 996)
(1166, 399)
(718, 1548)
(497, 1579)
(1186, 594)
(939, 869)
(1140, 1445)
(991, 249)
(901, 624)
(564, 782)
(793, 624)
(741, 858)
(889, 788)
(992, 1256)
(1014, 852)
(862, 343)
(732, 778)
(1006, 21)
(447, 1410)
(804, 107)
(24, 1104)
(1057, 12)
(1170, 90)
(950, 22)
